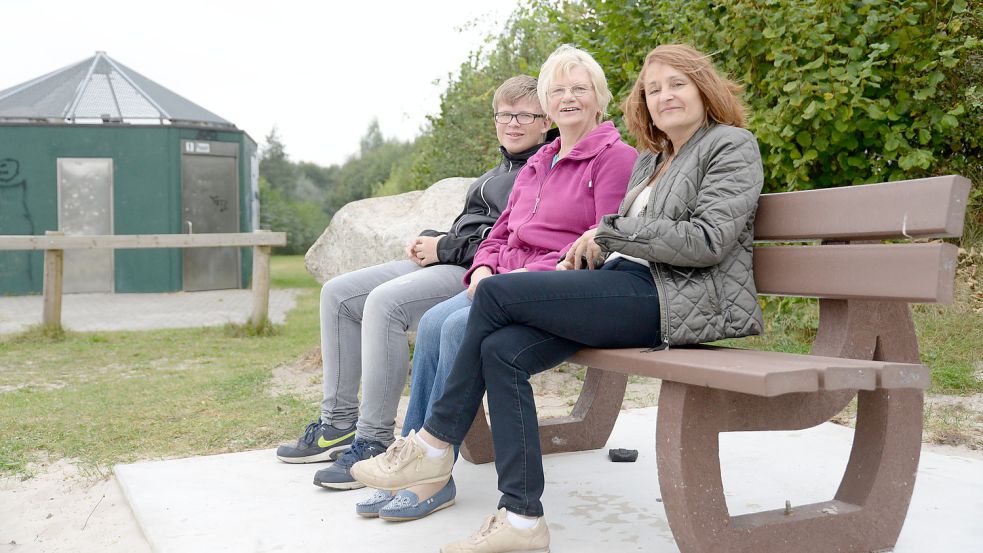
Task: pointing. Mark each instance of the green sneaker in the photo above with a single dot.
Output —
(320, 442)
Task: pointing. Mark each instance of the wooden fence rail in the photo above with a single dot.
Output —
(54, 244)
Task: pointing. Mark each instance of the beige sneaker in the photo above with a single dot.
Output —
(404, 464)
(497, 535)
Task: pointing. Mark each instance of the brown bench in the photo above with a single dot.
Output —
(865, 347)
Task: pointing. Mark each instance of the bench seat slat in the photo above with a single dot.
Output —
(704, 367)
(921, 273)
(834, 373)
(759, 373)
(840, 373)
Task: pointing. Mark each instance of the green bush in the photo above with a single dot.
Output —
(840, 92)
(461, 141)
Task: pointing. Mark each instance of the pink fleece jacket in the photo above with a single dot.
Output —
(549, 208)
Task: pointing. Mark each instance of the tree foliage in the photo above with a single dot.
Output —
(300, 198)
(460, 140)
(840, 92)
(302, 221)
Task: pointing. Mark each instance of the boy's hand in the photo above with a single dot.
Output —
(423, 250)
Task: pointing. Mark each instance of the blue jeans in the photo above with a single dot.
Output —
(522, 324)
(438, 337)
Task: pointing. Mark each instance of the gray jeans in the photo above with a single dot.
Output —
(365, 315)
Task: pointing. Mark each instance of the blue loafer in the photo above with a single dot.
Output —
(407, 506)
(369, 507)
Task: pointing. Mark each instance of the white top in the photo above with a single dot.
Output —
(634, 210)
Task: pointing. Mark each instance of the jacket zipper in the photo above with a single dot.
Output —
(481, 192)
(539, 194)
(535, 206)
(660, 288)
(659, 284)
(663, 306)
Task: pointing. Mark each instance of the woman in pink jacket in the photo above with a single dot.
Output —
(563, 191)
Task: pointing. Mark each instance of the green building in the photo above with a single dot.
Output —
(97, 148)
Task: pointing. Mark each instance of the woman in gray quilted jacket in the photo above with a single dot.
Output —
(678, 272)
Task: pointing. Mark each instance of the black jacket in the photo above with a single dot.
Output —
(486, 199)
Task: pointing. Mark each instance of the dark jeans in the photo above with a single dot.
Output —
(522, 324)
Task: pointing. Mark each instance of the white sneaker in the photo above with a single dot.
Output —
(404, 464)
(497, 535)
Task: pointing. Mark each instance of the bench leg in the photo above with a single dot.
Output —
(865, 515)
(588, 427)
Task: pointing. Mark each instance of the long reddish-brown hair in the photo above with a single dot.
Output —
(721, 96)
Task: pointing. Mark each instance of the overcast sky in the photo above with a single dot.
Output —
(318, 70)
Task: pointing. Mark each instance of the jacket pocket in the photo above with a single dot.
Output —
(711, 290)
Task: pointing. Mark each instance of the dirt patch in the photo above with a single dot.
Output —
(168, 365)
(948, 421)
(954, 420)
(556, 390)
(301, 377)
(54, 385)
(63, 509)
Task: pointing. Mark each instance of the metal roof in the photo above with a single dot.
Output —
(100, 90)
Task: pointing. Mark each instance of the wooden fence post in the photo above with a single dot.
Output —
(54, 261)
(261, 283)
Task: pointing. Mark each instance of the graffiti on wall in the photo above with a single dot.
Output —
(220, 203)
(15, 217)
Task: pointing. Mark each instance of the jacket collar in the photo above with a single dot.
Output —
(524, 156)
(691, 143)
(590, 145)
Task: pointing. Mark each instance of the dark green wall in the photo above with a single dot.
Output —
(146, 189)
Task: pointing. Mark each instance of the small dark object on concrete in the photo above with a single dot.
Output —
(623, 455)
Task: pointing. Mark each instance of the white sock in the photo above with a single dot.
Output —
(521, 522)
(431, 450)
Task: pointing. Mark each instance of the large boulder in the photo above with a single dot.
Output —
(376, 230)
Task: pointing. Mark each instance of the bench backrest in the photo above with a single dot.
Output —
(902, 210)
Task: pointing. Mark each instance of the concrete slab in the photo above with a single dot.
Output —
(251, 502)
(108, 312)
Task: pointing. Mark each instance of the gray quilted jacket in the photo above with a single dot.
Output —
(697, 231)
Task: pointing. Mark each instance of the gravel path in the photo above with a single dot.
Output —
(105, 312)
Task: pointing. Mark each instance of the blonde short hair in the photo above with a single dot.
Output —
(561, 61)
(520, 87)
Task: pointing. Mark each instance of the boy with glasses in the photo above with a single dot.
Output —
(365, 314)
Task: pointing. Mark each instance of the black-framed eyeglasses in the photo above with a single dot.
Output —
(504, 117)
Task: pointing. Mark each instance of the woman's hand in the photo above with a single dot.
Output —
(584, 250)
(481, 272)
(423, 250)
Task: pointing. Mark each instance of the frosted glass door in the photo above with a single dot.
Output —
(85, 206)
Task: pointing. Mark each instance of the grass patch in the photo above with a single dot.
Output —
(40, 334)
(111, 397)
(951, 342)
(288, 271)
(790, 326)
(249, 330)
